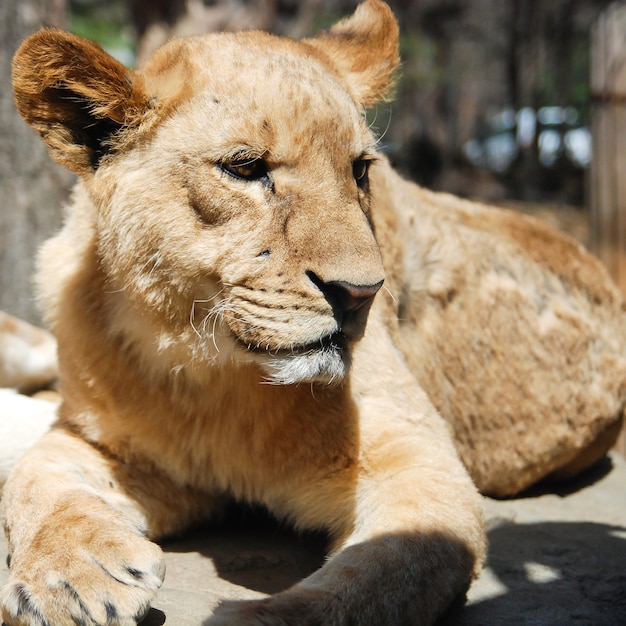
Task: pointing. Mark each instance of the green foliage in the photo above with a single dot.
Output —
(107, 22)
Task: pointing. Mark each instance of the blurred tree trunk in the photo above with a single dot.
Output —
(32, 187)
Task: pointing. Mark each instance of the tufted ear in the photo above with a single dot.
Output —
(364, 48)
(76, 95)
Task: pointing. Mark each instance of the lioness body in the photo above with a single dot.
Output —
(210, 292)
(514, 330)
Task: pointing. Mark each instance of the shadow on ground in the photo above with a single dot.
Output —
(557, 557)
(551, 573)
(251, 549)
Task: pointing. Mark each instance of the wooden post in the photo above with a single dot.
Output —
(607, 188)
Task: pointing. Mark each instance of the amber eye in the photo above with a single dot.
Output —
(246, 169)
(359, 171)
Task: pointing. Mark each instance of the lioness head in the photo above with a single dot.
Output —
(224, 193)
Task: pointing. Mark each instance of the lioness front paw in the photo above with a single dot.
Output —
(94, 574)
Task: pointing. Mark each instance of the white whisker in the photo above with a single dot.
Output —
(390, 294)
(212, 313)
(382, 135)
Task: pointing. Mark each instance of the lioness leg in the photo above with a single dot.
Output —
(76, 525)
(413, 545)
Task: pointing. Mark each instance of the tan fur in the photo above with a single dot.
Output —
(210, 346)
(515, 331)
(28, 355)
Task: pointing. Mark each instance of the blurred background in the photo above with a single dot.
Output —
(516, 102)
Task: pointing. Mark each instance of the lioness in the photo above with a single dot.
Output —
(224, 334)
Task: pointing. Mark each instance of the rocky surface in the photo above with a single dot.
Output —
(555, 558)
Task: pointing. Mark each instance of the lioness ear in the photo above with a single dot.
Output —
(364, 47)
(76, 95)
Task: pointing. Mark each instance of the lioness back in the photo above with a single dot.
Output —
(516, 332)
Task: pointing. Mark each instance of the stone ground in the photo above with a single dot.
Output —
(555, 558)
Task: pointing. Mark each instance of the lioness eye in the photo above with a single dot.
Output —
(359, 171)
(246, 169)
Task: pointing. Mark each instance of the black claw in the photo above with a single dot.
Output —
(135, 573)
(85, 619)
(27, 607)
(111, 611)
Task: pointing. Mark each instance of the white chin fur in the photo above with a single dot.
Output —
(328, 365)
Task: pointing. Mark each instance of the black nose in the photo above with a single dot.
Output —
(350, 303)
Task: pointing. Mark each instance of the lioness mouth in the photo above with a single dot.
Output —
(334, 341)
(324, 361)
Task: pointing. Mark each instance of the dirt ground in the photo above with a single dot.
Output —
(555, 559)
